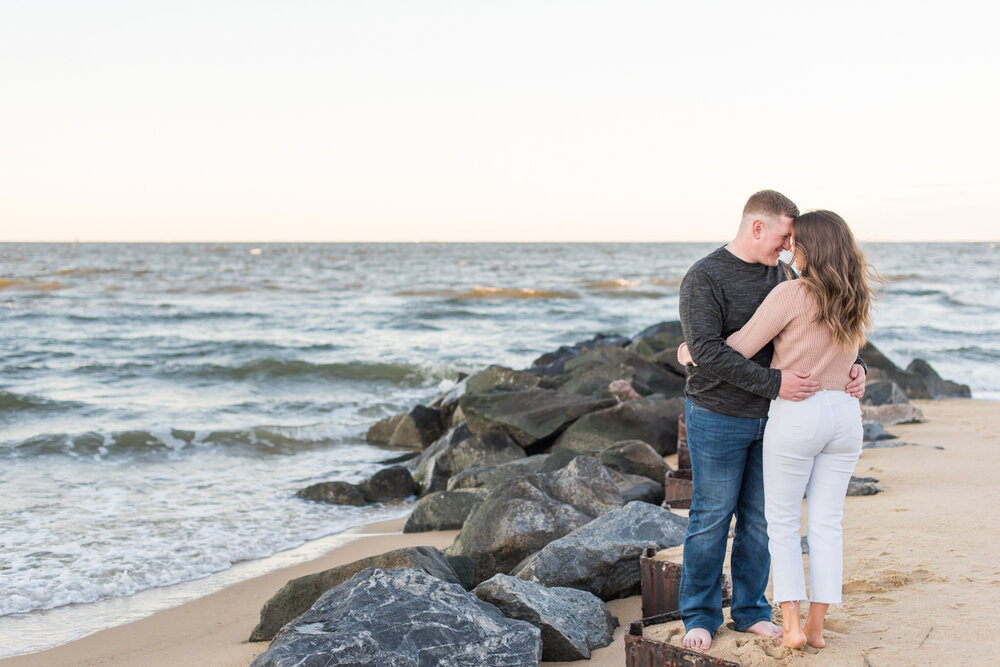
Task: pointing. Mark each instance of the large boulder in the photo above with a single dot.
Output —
(936, 386)
(381, 431)
(594, 370)
(296, 596)
(516, 519)
(427, 474)
(652, 420)
(444, 510)
(500, 378)
(892, 414)
(572, 622)
(418, 428)
(528, 415)
(337, 493)
(490, 476)
(586, 484)
(637, 487)
(873, 432)
(485, 449)
(635, 457)
(553, 363)
(602, 557)
(392, 483)
(653, 341)
(559, 458)
(884, 392)
(402, 618)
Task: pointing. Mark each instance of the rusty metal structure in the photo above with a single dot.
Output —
(645, 652)
(661, 580)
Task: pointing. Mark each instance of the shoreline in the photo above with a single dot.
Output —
(946, 536)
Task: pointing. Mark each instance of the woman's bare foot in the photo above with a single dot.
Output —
(793, 639)
(793, 636)
(699, 639)
(814, 624)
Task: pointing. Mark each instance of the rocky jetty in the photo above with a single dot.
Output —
(554, 476)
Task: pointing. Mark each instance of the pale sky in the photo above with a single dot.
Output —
(576, 120)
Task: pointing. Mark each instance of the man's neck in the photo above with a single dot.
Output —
(738, 250)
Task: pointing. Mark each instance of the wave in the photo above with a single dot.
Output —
(11, 403)
(620, 283)
(168, 441)
(32, 285)
(490, 292)
(893, 277)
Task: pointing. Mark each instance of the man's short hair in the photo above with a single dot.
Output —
(770, 202)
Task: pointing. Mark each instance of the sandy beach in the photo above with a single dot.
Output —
(921, 584)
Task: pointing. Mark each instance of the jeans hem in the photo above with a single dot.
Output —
(696, 626)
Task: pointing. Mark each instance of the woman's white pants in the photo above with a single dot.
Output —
(811, 448)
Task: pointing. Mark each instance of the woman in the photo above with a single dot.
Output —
(817, 324)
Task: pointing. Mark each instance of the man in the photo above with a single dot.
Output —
(728, 397)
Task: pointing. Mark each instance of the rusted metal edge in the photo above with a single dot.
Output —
(641, 651)
(660, 581)
(677, 489)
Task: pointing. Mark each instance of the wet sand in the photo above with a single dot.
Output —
(921, 583)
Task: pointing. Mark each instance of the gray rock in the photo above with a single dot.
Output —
(381, 431)
(419, 428)
(602, 557)
(937, 387)
(559, 458)
(393, 483)
(500, 377)
(884, 392)
(585, 484)
(635, 457)
(490, 476)
(658, 339)
(593, 370)
(516, 519)
(444, 510)
(572, 622)
(874, 431)
(862, 486)
(485, 449)
(652, 420)
(296, 596)
(402, 618)
(892, 414)
(338, 493)
(637, 487)
(427, 473)
(552, 364)
(528, 415)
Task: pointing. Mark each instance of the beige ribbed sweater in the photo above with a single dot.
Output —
(788, 316)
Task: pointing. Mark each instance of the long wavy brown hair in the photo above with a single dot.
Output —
(835, 271)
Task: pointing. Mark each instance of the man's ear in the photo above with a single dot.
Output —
(758, 228)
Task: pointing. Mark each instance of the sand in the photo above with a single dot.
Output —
(921, 582)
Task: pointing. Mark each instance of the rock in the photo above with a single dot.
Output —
(427, 474)
(635, 457)
(444, 510)
(338, 493)
(490, 476)
(465, 568)
(485, 449)
(296, 596)
(528, 415)
(419, 428)
(862, 486)
(559, 457)
(457, 417)
(883, 392)
(393, 483)
(404, 617)
(622, 391)
(585, 484)
(602, 557)
(516, 519)
(381, 431)
(637, 487)
(652, 420)
(892, 414)
(874, 431)
(502, 378)
(594, 370)
(552, 364)
(657, 339)
(936, 387)
(572, 622)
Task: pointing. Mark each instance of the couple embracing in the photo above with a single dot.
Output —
(773, 413)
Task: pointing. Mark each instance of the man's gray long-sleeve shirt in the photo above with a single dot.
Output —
(718, 295)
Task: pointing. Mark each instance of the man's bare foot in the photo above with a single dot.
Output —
(765, 629)
(699, 639)
(815, 637)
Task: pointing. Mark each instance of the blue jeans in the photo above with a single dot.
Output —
(727, 473)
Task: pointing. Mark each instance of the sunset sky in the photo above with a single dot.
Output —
(427, 120)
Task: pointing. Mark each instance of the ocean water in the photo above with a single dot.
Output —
(160, 404)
